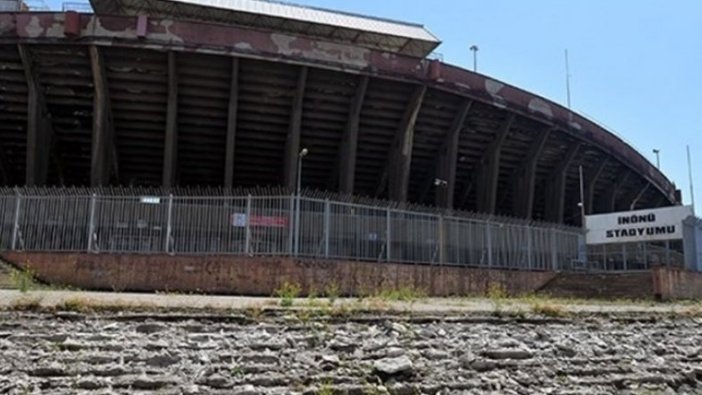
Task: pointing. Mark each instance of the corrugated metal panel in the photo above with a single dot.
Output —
(321, 16)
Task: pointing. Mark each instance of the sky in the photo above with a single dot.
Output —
(635, 65)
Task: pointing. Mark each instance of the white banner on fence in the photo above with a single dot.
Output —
(633, 226)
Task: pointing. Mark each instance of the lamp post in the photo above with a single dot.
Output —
(301, 155)
(475, 50)
(657, 152)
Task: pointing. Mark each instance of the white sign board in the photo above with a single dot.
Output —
(634, 226)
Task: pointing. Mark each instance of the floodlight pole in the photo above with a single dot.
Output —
(689, 170)
(475, 50)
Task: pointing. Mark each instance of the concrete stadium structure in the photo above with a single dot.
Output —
(212, 93)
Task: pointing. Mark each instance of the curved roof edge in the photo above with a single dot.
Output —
(386, 34)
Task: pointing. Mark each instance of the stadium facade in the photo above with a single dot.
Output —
(226, 94)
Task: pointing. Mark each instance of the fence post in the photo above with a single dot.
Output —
(297, 225)
(291, 230)
(169, 225)
(247, 233)
(388, 234)
(488, 229)
(91, 226)
(442, 241)
(15, 229)
(327, 215)
(554, 250)
(530, 247)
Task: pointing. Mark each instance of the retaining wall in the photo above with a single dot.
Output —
(677, 283)
(262, 276)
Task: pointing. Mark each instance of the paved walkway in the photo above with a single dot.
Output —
(48, 299)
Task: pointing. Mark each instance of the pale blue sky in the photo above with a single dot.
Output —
(636, 65)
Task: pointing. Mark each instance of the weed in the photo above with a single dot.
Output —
(23, 279)
(326, 388)
(78, 305)
(549, 310)
(402, 294)
(236, 370)
(304, 315)
(341, 311)
(332, 292)
(26, 304)
(287, 293)
(497, 292)
(255, 312)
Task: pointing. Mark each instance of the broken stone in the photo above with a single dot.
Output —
(393, 366)
(149, 328)
(509, 354)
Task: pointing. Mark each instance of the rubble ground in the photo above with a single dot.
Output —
(63, 343)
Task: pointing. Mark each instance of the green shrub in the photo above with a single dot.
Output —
(287, 293)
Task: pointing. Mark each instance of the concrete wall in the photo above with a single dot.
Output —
(262, 276)
(615, 285)
(675, 283)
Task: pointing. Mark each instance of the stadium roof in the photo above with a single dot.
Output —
(377, 33)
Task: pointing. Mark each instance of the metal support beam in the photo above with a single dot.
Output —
(170, 154)
(39, 130)
(292, 144)
(103, 133)
(487, 171)
(400, 153)
(230, 147)
(524, 178)
(638, 196)
(590, 185)
(556, 186)
(448, 158)
(610, 199)
(349, 143)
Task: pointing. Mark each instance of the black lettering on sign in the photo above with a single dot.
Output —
(636, 232)
(636, 219)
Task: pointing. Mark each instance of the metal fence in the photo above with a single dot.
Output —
(277, 226)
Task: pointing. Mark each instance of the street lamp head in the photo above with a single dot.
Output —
(440, 183)
(656, 151)
(304, 152)
(474, 48)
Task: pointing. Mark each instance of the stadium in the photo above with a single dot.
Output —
(214, 97)
(207, 93)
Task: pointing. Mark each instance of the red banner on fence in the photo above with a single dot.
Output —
(239, 221)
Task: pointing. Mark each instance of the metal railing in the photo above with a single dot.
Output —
(266, 226)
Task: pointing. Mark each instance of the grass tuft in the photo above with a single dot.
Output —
(402, 294)
(77, 304)
(287, 293)
(26, 304)
(549, 310)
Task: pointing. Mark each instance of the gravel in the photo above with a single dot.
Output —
(122, 354)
